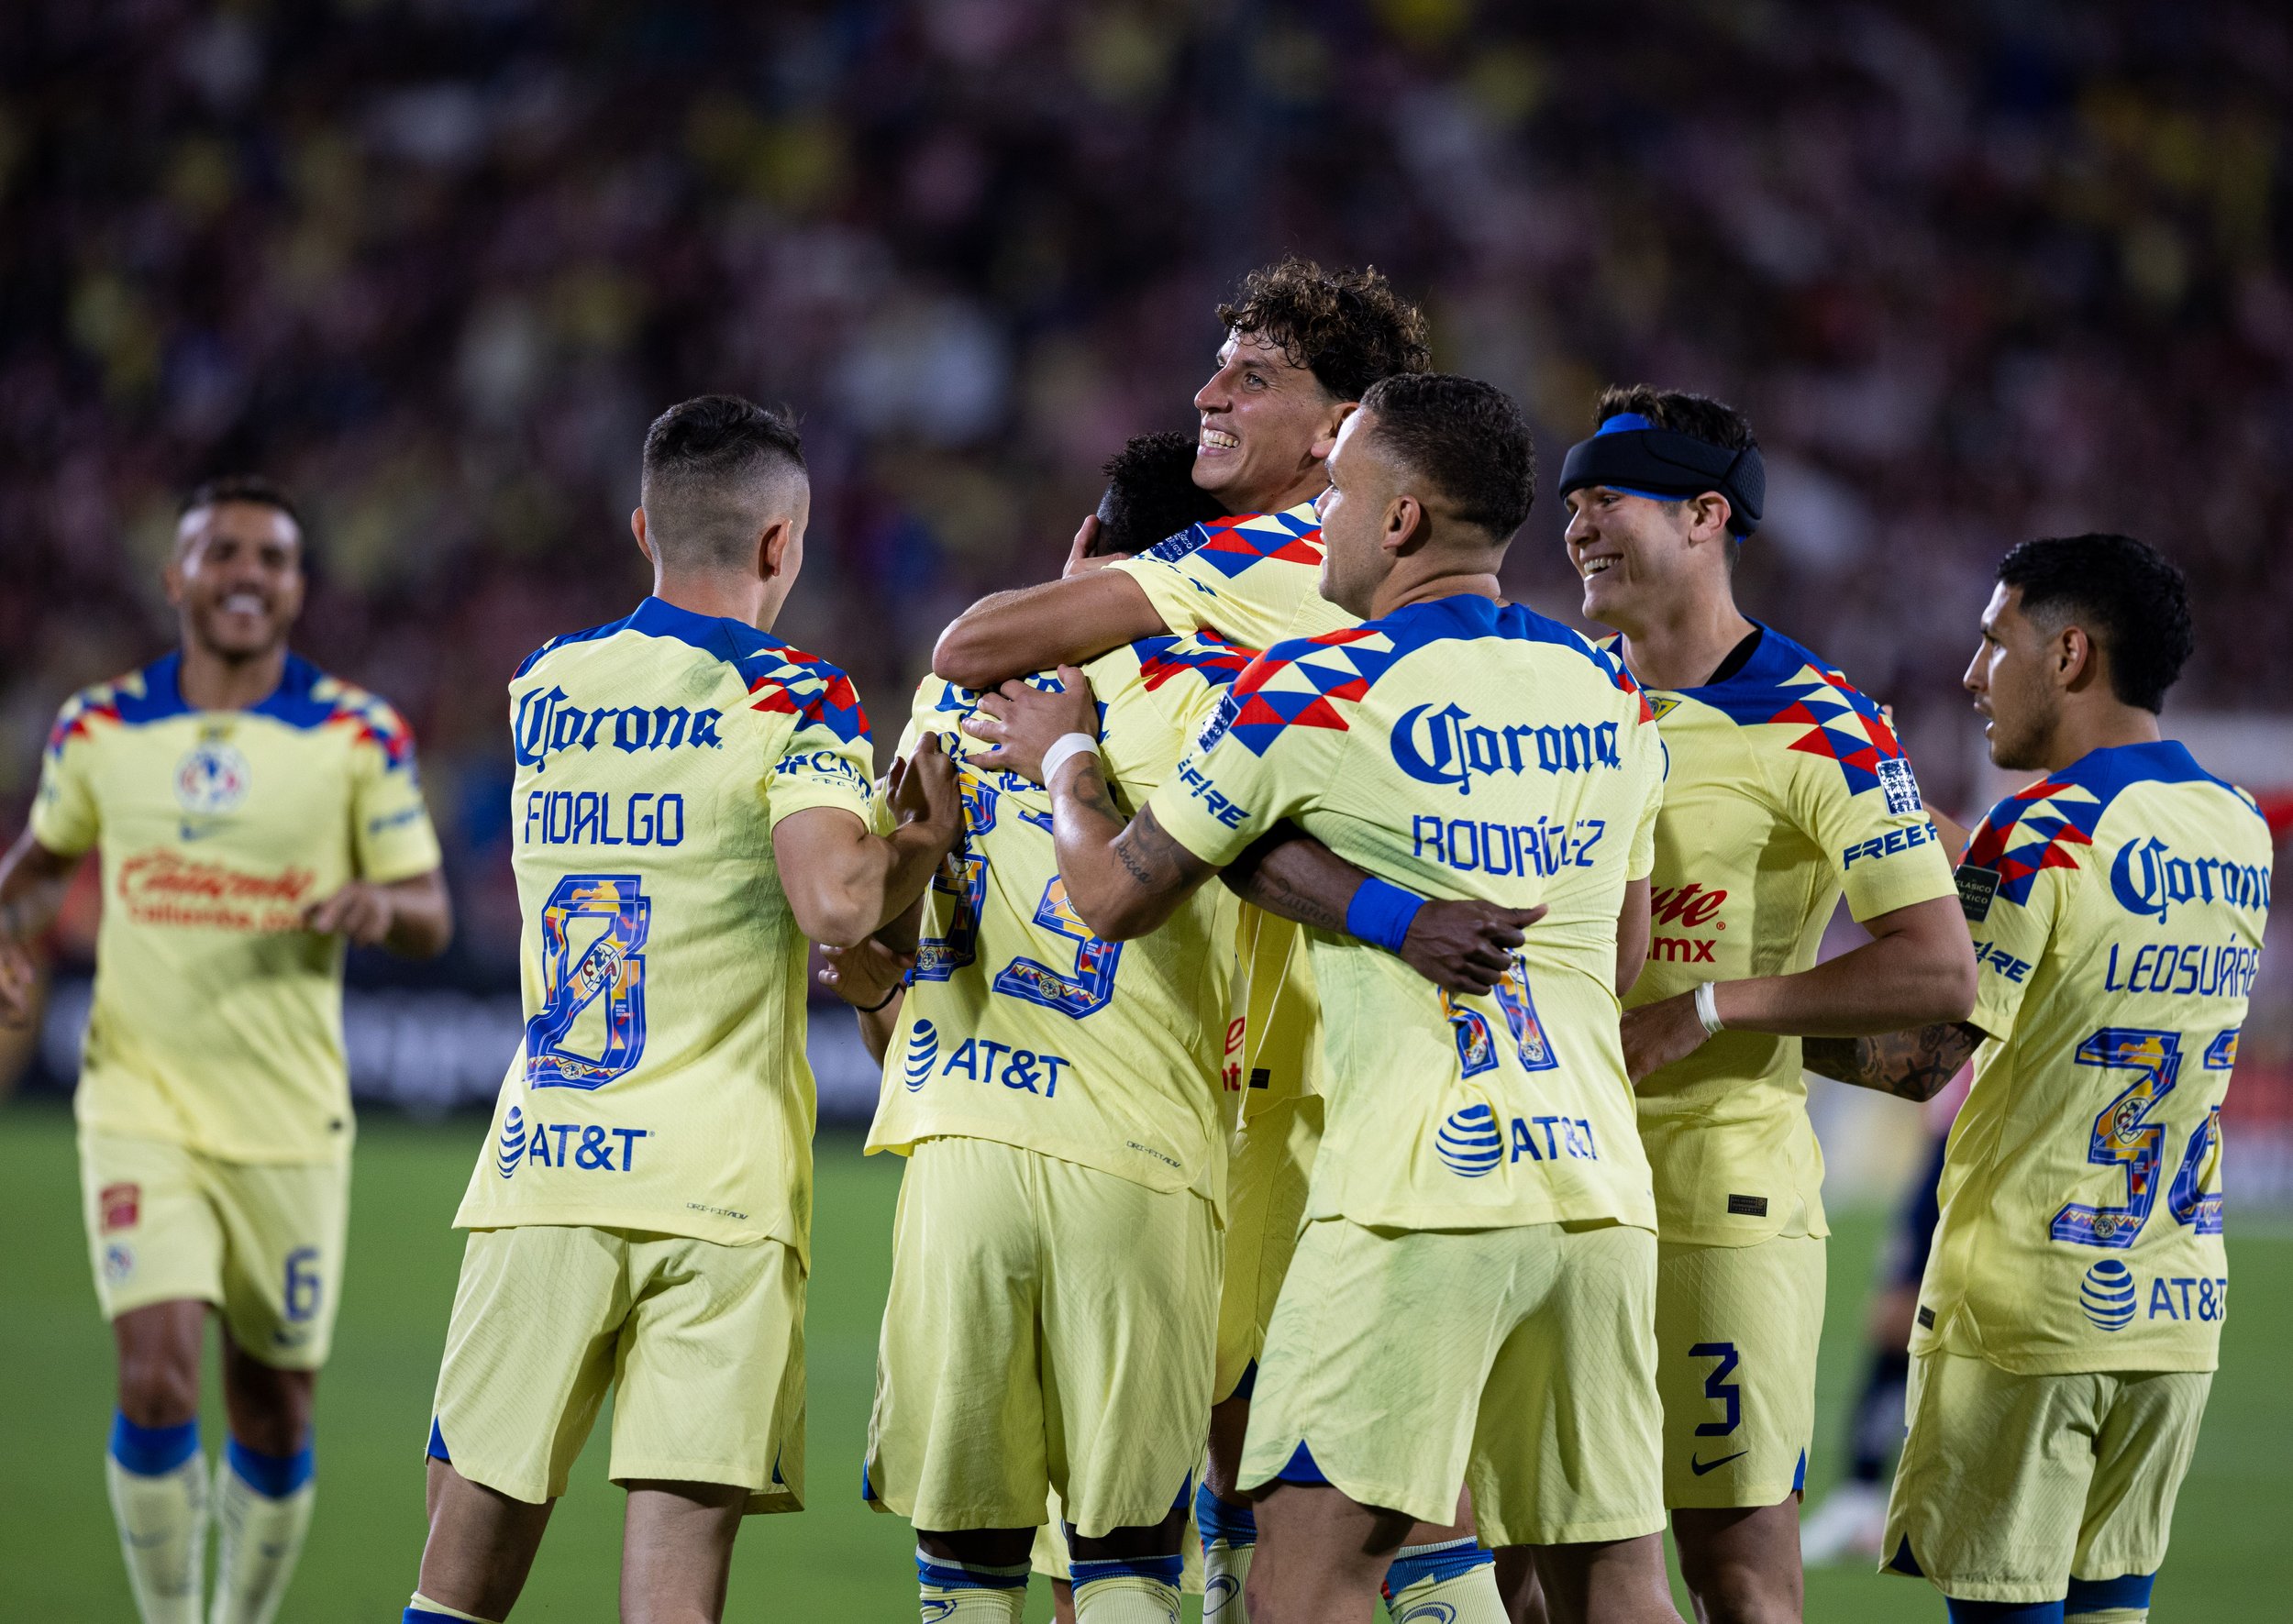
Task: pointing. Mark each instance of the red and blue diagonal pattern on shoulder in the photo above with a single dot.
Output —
(787, 680)
(1783, 685)
(1218, 661)
(372, 720)
(2042, 826)
(81, 711)
(1300, 683)
(1233, 544)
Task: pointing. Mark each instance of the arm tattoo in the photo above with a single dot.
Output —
(1091, 791)
(1912, 1065)
(1151, 857)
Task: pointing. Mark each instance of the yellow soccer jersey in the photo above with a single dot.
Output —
(662, 1083)
(1022, 1026)
(2118, 909)
(1785, 786)
(1273, 1042)
(1254, 578)
(1508, 1109)
(217, 1020)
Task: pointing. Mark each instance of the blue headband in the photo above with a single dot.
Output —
(1629, 453)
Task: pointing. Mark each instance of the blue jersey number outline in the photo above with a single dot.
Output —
(610, 968)
(1477, 1048)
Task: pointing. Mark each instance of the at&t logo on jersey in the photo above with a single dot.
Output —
(547, 723)
(1473, 1140)
(1469, 1140)
(2107, 1295)
(923, 1054)
(2147, 878)
(576, 1146)
(510, 1150)
(1447, 746)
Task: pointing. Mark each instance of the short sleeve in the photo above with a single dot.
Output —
(1655, 761)
(2012, 916)
(1258, 606)
(63, 815)
(391, 836)
(1869, 820)
(823, 764)
(1232, 786)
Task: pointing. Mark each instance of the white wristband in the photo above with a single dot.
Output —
(1063, 746)
(1707, 1009)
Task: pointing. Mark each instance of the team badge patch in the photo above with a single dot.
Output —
(119, 1261)
(120, 1204)
(1977, 889)
(1898, 784)
(212, 778)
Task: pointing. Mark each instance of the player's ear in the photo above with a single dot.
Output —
(636, 528)
(2078, 662)
(1325, 435)
(778, 549)
(1406, 524)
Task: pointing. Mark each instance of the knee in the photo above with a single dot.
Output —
(159, 1385)
(271, 1409)
(1738, 1593)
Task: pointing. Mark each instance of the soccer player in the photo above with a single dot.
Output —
(1785, 786)
(1302, 344)
(1055, 1268)
(1472, 1297)
(693, 799)
(2070, 1320)
(254, 814)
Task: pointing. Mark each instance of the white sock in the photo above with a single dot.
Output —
(422, 1607)
(260, 1530)
(1145, 1591)
(160, 1500)
(961, 1592)
(1467, 1597)
(1230, 1536)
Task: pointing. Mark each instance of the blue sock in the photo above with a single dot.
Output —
(152, 1451)
(1414, 1565)
(2129, 1594)
(1222, 1521)
(272, 1476)
(2004, 1612)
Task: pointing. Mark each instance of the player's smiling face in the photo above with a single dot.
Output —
(237, 577)
(1632, 552)
(1266, 425)
(2013, 683)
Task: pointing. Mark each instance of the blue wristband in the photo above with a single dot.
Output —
(1380, 913)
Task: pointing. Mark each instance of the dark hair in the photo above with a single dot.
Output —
(713, 468)
(1349, 327)
(2124, 595)
(1151, 494)
(251, 488)
(1468, 437)
(1699, 416)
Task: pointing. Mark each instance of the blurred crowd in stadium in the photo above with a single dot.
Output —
(1977, 271)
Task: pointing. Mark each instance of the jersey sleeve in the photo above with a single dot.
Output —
(2011, 908)
(1255, 607)
(1654, 760)
(1241, 776)
(1868, 817)
(63, 815)
(827, 761)
(391, 836)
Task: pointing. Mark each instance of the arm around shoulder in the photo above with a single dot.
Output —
(1063, 622)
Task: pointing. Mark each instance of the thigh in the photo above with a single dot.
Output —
(283, 1227)
(1129, 1329)
(2140, 1459)
(1737, 1330)
(153, 1236)
(1267, 1177)
(1376, 1359)
(1992, 1485)
(955, 1441)
(529, 1353)
(710, 1369)
(1566, 1446)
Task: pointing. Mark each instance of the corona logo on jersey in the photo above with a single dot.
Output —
(212, 778)
(547, 723)
(1447, 746)
(2107, 1295)
(2147, 878)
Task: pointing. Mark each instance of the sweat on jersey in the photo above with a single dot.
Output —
(1463, 748)
(217, 1017)
(1785, 787)
(1022, 1027)
(662, 1083)
(2118, 909)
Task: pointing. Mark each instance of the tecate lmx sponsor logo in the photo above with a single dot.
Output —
(1447, 746)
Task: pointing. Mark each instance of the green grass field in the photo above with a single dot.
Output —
(2233, 1559)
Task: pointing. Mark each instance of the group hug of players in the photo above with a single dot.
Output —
(1345, 1030)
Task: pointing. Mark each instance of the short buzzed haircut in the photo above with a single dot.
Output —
(2124, 595)
(1151, 495)
(1465, 438)
(1349, 329)
(253, 488)
(717, 469)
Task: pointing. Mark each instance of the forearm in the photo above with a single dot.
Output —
(421, 917)
(1036, 628)
(1885, 985)
(1296, 876)
(1912, 1065)
(887, 875)
(1124, 878)
(876, 1026)
(33, 881)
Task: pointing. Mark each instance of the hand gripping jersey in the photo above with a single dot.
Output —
(1254, 578)
(663, 1084)
(1463, 748)
(2117, 908)
(217, 1022)
(1785, 786)
(1022, 1027)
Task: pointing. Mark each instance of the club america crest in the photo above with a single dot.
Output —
(212, 778)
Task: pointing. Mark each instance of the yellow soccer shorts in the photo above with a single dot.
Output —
(703, 1344)
(261, 1241)
(2010, 1485)
(1737, 1329)
(1050, 1327)
(1520, 1362)
(1267, 1175)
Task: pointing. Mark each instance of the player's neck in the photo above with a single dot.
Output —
(213, 681)
(722, 595)
(1399, 589)
(1304, 488)
(1680, 644)
(2083, 729)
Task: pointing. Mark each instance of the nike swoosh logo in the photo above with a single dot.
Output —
(1701, 1467)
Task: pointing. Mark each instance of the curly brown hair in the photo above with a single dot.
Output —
(1349, 329)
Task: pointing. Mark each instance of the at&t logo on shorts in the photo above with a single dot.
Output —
(2107, 1295)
